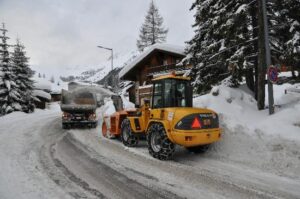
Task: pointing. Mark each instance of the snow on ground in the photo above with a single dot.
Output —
(21, 174)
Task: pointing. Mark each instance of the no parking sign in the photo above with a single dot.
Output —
(273, 74)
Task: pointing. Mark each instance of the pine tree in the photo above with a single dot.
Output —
(10, 97)
(221, 44)
(152, 31)
(23, 74)
(225, 45)
(285, 28)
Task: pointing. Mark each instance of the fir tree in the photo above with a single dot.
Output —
(23, 74)
(285, 29)
(221, 43)
(10, 97)
(225, 45)
(152, 31)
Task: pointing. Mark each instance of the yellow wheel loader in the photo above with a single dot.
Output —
(169, 119)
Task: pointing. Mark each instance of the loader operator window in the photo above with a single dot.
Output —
(168, 93)
(157, 95)
(171, 93)
(180, 94)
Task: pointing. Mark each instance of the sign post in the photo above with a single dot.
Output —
(272, 78)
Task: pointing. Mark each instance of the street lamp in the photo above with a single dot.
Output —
(112, 55)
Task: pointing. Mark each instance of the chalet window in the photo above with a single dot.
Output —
(165, 62)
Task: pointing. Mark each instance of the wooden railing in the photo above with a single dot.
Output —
(166, 68)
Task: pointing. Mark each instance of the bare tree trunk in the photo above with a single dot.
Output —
(261, 60)
(250, 79)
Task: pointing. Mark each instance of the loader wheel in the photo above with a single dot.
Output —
(159, 145)
(127, 136)
(198, 149)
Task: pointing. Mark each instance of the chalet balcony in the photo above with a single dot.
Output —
(167, 68)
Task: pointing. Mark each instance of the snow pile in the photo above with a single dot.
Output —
(253, 137)
(109, 108)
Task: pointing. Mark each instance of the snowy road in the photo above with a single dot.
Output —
(41, 160)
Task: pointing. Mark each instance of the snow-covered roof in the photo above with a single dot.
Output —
(42, 84)
(163, 47)
(41, 94)
(83, 83)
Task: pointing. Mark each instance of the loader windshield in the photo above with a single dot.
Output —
(171, 93)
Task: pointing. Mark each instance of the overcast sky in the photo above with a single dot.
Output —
(63, 34)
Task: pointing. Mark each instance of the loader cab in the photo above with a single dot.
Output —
(171, 91)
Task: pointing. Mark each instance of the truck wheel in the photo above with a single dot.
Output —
(159, 145)
(198, 149)
(127, 136)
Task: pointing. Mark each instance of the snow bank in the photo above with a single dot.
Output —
(237, 107)
(254, 137)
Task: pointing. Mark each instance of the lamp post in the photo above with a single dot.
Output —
(112, 55)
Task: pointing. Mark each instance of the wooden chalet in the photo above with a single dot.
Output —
(157, 59)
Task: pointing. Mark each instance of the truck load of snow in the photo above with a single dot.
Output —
(78, 100)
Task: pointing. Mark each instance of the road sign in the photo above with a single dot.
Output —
(273, 74)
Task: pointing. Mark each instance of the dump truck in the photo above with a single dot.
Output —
(78, 108)
(168, 119)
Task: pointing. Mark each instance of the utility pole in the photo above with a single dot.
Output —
(264, 58)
